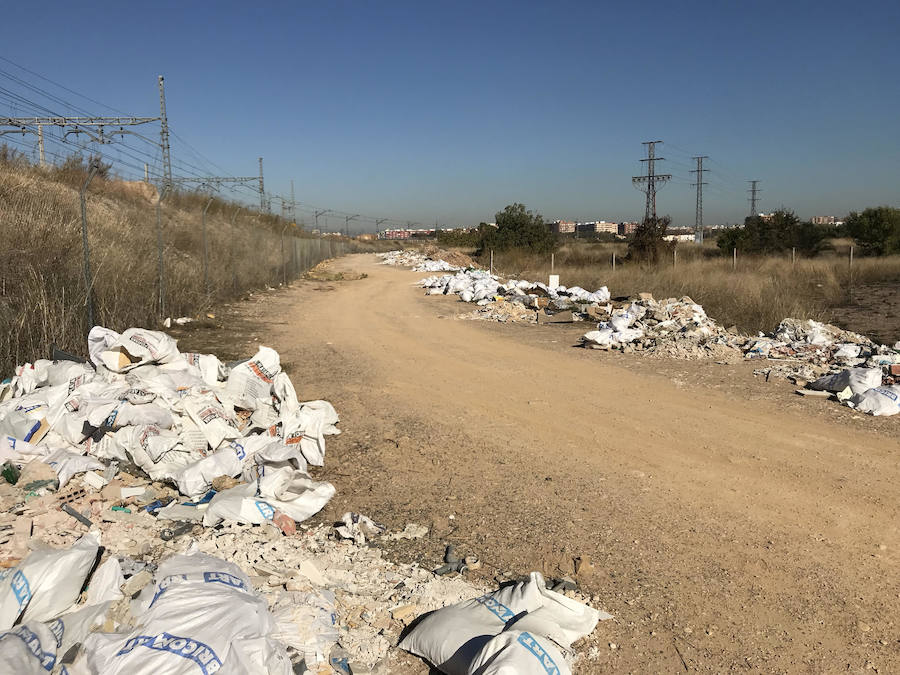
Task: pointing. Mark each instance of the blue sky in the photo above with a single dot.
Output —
(429, 111)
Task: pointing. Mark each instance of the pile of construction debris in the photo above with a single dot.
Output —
(803, 350)
(193, 475)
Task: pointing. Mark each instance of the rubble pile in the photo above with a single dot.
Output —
(417, 261)
(802, 350)
(482, 287)
(173, 488)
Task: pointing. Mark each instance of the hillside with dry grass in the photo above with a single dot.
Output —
(43, 291)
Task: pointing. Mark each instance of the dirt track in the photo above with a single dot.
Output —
(731, 525)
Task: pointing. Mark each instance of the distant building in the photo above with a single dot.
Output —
(406, 234)
(393, 234)
(625, 229)
(596, 227)
(680, 236)
(824, 220)
(562, 227)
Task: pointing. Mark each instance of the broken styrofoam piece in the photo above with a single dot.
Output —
(358, 528)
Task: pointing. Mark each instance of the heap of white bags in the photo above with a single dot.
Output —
(181, 418)
(480, 286)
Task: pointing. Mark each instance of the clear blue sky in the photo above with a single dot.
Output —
(450, 111)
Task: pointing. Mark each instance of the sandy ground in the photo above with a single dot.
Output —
(729, 524)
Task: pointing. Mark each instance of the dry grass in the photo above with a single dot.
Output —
(755, 296)
(42, 287)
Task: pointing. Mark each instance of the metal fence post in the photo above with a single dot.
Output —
(205, 252)
(161, 268)
(86, 249)
(231, 254)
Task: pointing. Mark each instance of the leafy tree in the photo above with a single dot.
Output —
(519, 228)
(781, 231)
(877, 230)
(647, 244)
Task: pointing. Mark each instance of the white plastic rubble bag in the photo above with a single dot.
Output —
(878, 401)
(26, 423)
(621, 321)
(252, 380)
(146, 444)
(210, 416)
(269, 455)
(519, 653)
(123, 414)
(602, 337)
(308, 428)
(46, 583)
(19, 452)
(99, 340)
(627, 335)
(28, 649)
(290, 491)
(195, 479)
(73, 627)
(207, 366)
(138, 346)
(201, 616)
(284, 391)
(858, 379)
(451, 637)
(560, 618)
(67, 463)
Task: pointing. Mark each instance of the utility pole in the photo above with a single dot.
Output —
(754, 196)
(146, 172)
(322, 212)
(262, 188)
(647, 184)
(40, 135)
(293, 204)
(164, 136)
(347, 220)
(698, 218)
(379, 221)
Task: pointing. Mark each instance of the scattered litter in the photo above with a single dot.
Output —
(358, 527)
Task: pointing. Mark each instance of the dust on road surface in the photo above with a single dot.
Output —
(730, 526)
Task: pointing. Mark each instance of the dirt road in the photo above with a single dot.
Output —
(729, 526)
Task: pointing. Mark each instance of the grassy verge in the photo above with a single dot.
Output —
(42, 287)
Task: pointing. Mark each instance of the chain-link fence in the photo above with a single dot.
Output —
(131, 260)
